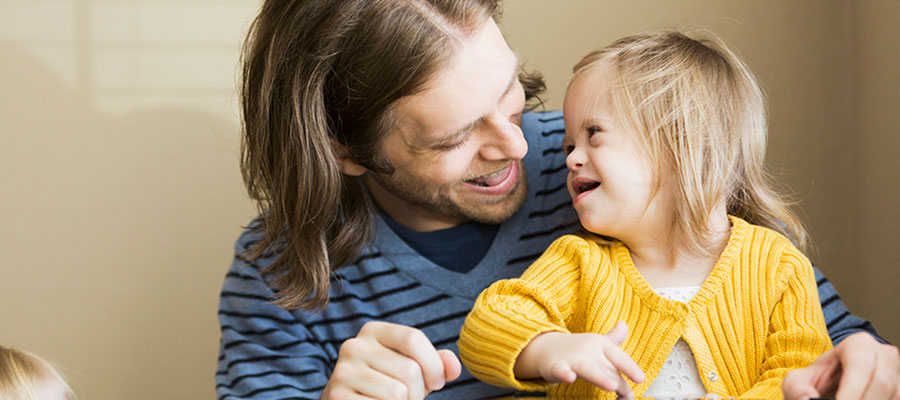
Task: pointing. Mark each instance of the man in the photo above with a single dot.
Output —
(382, 140)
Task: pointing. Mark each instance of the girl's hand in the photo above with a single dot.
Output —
(598, 359)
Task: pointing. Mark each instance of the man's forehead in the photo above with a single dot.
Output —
(469, 85)
(410, 122)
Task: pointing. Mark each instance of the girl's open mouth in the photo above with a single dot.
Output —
(582, 187)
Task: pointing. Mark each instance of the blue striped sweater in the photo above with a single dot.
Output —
(267, 352)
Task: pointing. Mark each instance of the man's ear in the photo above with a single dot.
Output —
(348, 166)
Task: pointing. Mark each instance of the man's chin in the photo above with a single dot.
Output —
(500, 211)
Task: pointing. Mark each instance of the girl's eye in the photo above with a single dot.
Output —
(591, 130)
(569, 149)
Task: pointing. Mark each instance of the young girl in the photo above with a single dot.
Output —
(24, 376)
(685, 243)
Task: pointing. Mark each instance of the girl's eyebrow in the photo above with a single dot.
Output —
(595, 120)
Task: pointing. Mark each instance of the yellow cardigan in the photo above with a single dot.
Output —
(756, 316)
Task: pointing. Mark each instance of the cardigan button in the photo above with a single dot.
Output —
(712, 376)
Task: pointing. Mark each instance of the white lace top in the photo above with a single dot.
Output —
(678, 377)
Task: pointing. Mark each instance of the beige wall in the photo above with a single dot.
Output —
(121, 193)
(871, 282)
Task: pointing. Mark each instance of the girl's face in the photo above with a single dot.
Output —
(611, 180)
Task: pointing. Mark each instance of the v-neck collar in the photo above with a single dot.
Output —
(708, 289)
(492, 267)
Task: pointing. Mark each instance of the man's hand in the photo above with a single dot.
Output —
(390, 362)
(858, 368)
(598, 359)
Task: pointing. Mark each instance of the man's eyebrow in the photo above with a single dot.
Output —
(515, 75)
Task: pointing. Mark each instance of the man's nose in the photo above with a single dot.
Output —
(507, 142)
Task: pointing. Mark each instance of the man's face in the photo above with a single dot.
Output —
(457, 147)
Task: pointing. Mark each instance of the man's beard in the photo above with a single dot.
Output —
(467, 207)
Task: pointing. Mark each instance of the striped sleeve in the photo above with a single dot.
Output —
(264, 352)
(840, 322)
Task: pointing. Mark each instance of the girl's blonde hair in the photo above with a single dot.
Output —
(24, 376)
(699, 110)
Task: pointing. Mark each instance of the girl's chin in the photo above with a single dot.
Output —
(599, 228)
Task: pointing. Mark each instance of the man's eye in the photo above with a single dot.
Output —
(517, 119)
(455, 145)
(452, 146)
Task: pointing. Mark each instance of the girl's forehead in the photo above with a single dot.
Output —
(599, 72)
(589, 98)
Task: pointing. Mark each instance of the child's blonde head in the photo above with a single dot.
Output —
(24, 376)
(700, 113)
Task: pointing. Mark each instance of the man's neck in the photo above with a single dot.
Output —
(407, 214)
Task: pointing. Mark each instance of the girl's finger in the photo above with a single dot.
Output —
(562, 372)
(624, 364)
(604, 378)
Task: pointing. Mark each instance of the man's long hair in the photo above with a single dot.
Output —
(323, 75)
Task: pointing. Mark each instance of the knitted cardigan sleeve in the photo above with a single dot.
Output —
(510, 313)
(797, 331)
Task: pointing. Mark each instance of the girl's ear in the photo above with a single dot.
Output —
(348, 166)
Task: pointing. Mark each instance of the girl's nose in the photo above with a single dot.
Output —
(574, 160)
